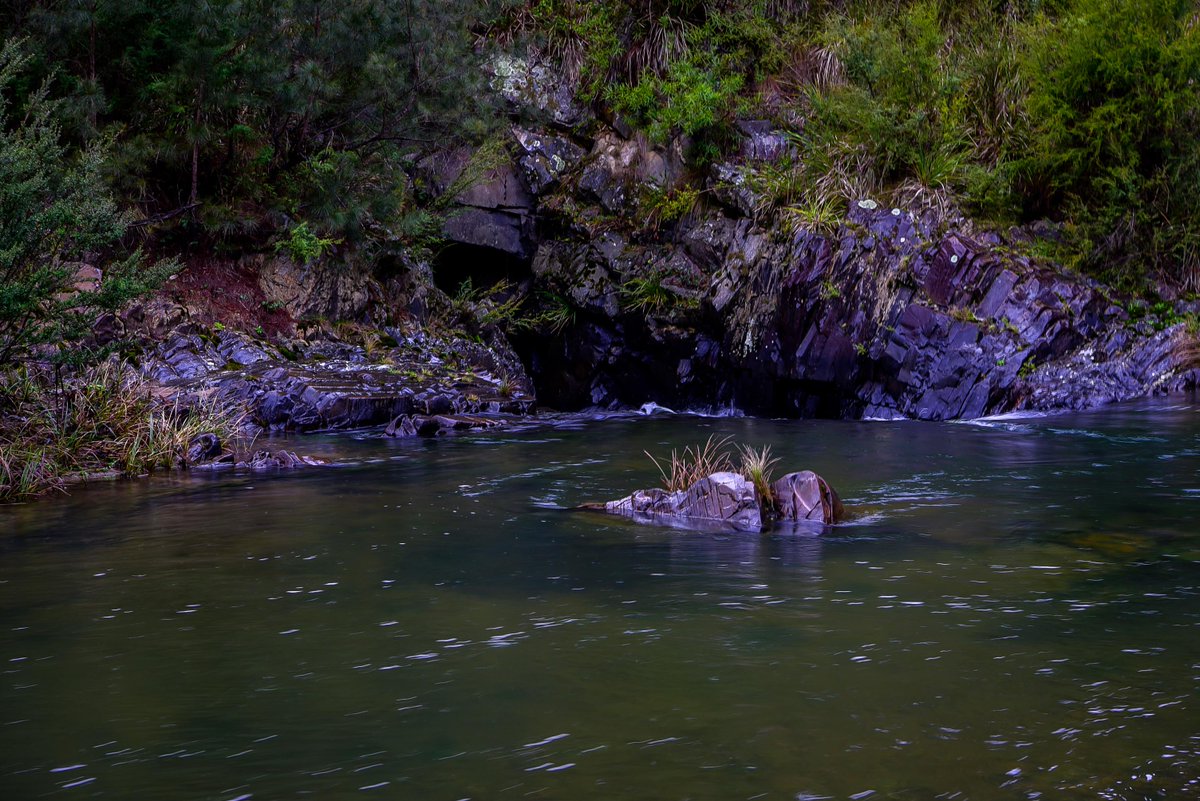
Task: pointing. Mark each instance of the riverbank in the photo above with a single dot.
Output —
(798, 244)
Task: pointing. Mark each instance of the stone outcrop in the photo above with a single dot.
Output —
(729, 502)
(722, 500)
(893, 313)
(327, 384)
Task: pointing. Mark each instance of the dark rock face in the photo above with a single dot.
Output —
(888, 316)
(893, 319)
(493, 209)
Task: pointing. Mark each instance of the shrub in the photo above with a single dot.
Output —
(1115, 112)
(303, 245)
(55, 215)
(758, 467)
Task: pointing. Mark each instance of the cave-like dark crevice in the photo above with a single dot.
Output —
(457, 263)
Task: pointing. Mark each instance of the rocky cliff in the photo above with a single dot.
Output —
(630, 274)
(892, 312)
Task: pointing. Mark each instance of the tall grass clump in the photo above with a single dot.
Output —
(758, 467)
(696, 462)
(716, 455)
(102, 421)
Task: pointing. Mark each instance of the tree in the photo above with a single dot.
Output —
(232, 114)
(55, 215)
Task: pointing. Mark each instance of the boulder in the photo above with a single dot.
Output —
(501, 231)
(545, 158)
(535, 85)
(729, 502)
(806, 496)
(722, 500)
(203, 448)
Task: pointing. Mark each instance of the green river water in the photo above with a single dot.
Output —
(1012, 613)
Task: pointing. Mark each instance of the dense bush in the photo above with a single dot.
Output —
(55, 214)
(1114, 104)
(230, 112)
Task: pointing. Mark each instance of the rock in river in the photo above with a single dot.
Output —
(729, 501)
(806, 496)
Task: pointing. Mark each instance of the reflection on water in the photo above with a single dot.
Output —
(1012, 613)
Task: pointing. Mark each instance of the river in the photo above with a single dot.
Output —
(1013, 612)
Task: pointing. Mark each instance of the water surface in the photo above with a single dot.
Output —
(1014, 613)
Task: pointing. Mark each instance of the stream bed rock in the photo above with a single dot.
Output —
(728, 501)
(326, 384)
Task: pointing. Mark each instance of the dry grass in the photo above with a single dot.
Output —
(662, 40)
(684, 469)
(695, 463)
(103, 421)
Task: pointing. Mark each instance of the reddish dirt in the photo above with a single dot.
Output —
(222, 291)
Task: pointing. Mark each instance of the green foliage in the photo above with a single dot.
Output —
(230, 110)
(665, 206)
(829, 290)
(226, 116)
(689, 68)
(1114, 103)
(556, 315)
(650, 294)
(892, 119)
(500, 304)
(818, 214)
(55, 215)
(303, 245)
(688, 100)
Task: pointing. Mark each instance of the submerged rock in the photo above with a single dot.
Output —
(437, 425)
(725, 501)
(264, 460)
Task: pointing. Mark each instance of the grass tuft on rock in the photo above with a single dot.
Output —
(696, 462)
(758, 467)
(716, 455)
